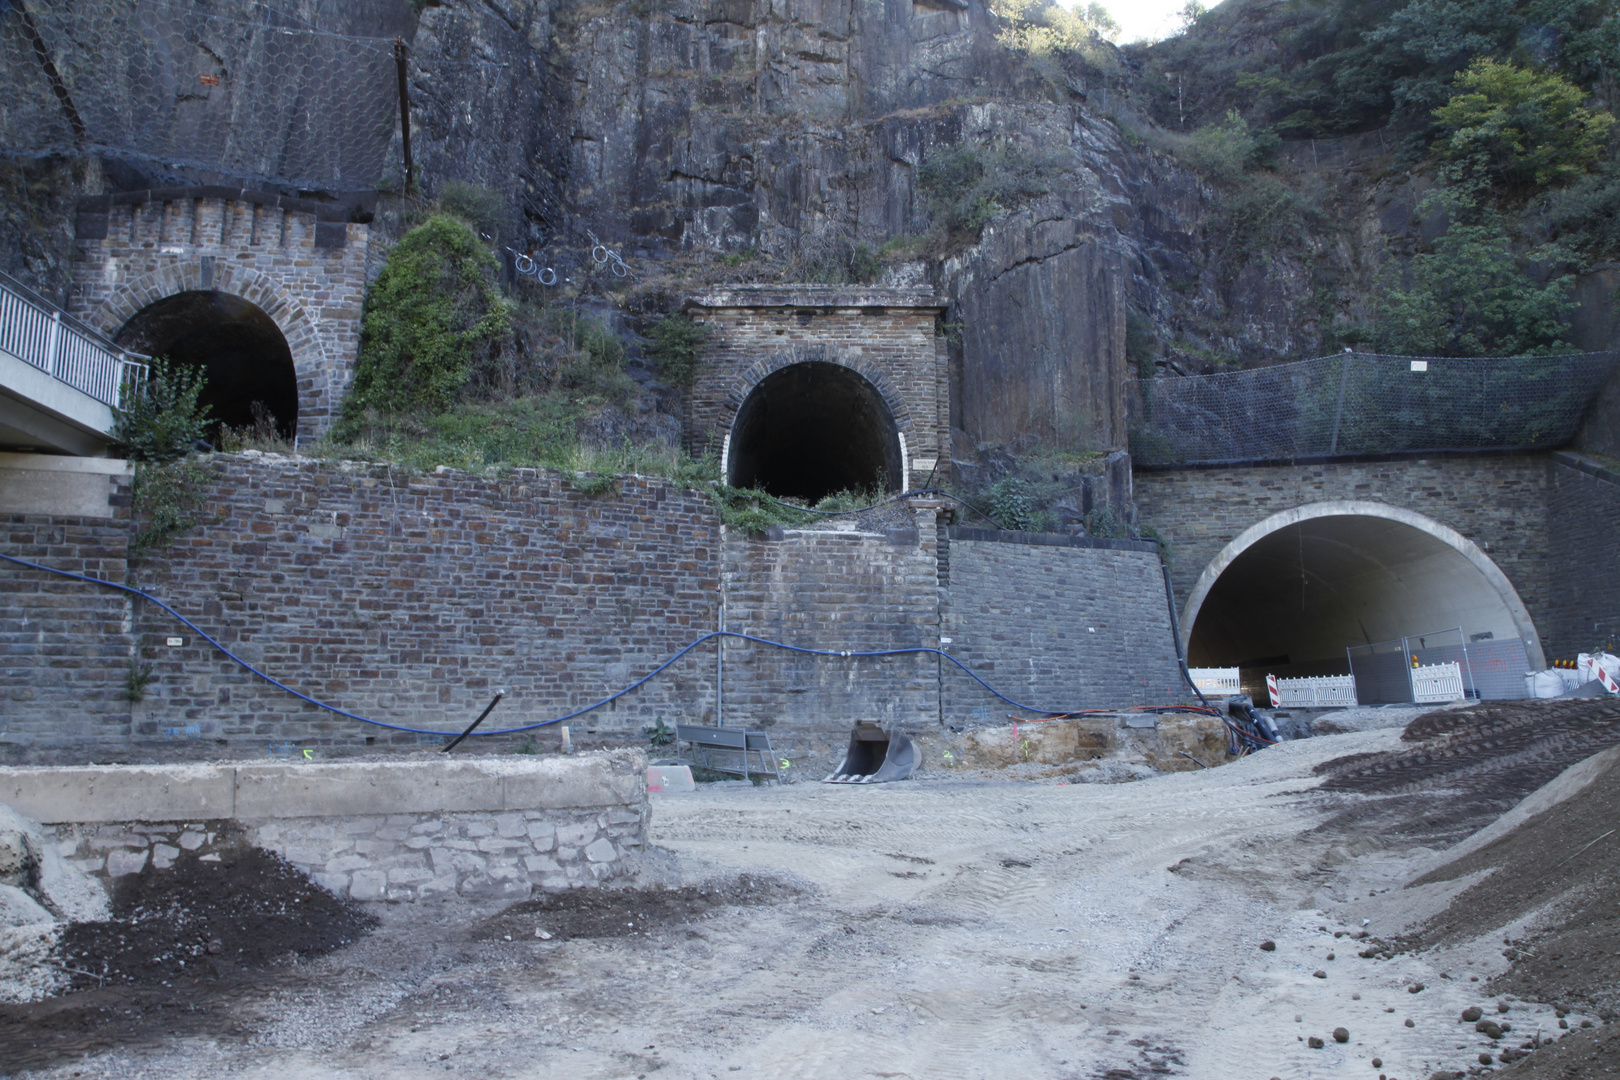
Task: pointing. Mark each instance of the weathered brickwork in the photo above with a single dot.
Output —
(1499, 502)
(1058, 623)
(886, 335)
(411, 599)
(1583, 524)
(66, 648)
(408, 599)
(851, 591)
(307, 273)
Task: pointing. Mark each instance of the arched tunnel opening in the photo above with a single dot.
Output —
(813, 429)
(1293, 601)
(248, 367)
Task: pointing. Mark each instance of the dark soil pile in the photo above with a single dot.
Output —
(611, 913)
(1568, 858)
(1465, 767)
(177, 939)
(208, 919)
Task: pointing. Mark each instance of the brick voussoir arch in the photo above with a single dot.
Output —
(747, 380)
(290, 317)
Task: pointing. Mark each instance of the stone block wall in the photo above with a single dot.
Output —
(66, 648)
(887, 335)
(1583, 526)
(407, 599)
(852, 591)
(1057, 623)
(418, 830)
(301, 262)
(1498, 501)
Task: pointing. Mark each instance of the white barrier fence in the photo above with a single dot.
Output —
(1219, 681)
(1437, 683)
(1319, 692)
(42, 338)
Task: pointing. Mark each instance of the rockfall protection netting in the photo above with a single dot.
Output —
(1356, 404)
(236, 87)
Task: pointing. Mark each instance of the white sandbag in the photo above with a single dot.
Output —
(1544, 684)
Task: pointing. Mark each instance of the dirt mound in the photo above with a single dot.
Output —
(1467, 766)
(1582, 1055)
(612, 913)
(207, 919)
(1564, 861)
(177, 938)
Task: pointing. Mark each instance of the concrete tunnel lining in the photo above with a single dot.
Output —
(1373, 570)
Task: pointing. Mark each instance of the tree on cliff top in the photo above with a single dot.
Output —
(433, 313)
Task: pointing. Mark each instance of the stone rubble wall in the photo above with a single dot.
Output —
(430, 829)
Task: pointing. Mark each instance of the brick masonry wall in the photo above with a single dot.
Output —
(1583, 525)
(307, 274)
(831, 590)
(1499, 502)
(887, 335)
(1056, 622)
(66, 647)
(408, 599)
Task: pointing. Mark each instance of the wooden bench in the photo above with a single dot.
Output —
(709, 741)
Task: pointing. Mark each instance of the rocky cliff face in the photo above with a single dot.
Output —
(767, 131)
(710, 141)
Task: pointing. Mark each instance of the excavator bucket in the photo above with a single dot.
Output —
(875, 756)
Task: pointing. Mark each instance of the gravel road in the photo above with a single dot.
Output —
(937, 928)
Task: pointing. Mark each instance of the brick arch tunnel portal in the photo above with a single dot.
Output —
(812, 429)
(1298, 588)
(247, 363)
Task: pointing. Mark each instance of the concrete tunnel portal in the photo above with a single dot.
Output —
(1292, 592)
(812, 429)
(246, 361)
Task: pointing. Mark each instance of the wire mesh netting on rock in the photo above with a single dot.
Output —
(1358, 404)
(235, 87)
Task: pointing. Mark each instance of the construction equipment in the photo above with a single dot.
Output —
(875, 756)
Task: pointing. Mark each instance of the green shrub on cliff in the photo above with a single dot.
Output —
(677, 344)
(1519, 127)
(965, 185)
(431, 316)
(1468, 296)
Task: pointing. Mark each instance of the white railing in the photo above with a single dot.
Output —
(1318, 692)
(1436, 683)
(1221, 681)
(38, 335)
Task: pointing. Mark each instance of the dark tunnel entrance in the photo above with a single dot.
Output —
(1293, 599)
(239, 348)
(813, 429)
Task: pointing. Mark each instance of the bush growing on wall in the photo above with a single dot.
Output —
(165, 420)
(433, 313)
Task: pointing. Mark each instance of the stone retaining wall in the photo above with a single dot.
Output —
(483, 828)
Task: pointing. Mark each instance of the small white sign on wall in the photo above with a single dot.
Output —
(1420, 365)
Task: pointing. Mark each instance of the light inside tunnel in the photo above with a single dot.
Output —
(240, 349)
(813, 429)
(1295, 599)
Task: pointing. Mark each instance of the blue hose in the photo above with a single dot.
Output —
(845, 653)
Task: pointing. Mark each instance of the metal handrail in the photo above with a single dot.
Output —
(42, 335)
